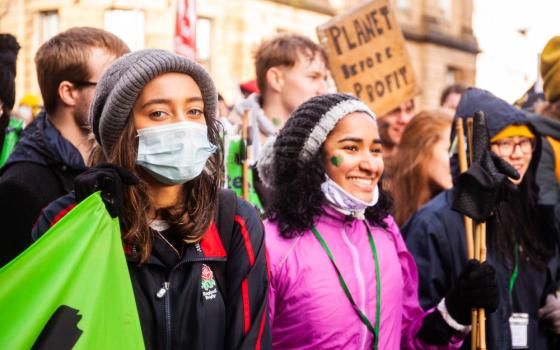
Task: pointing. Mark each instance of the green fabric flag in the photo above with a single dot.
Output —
(13, 130)
(234, 171)
(71, 289)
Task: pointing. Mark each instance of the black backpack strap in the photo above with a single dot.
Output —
(225, 219)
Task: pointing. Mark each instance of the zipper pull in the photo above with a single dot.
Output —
(163, 290)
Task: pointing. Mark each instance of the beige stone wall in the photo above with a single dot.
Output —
(431, 63)
(238, 26)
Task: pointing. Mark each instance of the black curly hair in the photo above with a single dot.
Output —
(296, 199)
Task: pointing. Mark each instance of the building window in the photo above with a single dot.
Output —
(48, 23)
(454, 75)
(127, 25)
(204, 41)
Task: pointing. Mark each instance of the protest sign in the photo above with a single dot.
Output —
(235, 148)
(367, 56)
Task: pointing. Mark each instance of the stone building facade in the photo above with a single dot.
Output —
(438, 32)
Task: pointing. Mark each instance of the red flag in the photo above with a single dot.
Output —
(185, 25)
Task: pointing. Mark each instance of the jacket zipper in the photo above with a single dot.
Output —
(359, 279)
(163, 292)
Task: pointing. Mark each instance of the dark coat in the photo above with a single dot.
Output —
(549, 188)
(41, 169)
(179, 303)
(435, 235)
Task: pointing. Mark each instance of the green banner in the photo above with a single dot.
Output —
(234, 172)
(13, 130)
(71, 289)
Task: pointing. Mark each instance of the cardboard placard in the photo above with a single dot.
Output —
(367, 56)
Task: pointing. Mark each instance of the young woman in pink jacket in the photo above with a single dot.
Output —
(340, 274)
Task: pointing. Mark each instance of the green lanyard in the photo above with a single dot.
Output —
(362, 315)
(514, 273)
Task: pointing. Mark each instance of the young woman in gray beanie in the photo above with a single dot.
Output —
(199, 278)
(340, 274)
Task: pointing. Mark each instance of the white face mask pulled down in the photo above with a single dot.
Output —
(346, 203)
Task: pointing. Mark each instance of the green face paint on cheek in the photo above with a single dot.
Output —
(336, 160)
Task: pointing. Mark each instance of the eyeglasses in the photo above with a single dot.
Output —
(82, 84)
(507, 147)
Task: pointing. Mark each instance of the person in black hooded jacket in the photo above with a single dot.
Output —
(521, 236)
(54, 148)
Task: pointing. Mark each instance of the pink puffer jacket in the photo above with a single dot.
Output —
(308, 308)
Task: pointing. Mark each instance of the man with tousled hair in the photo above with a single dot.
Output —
(55, 148)
(290, 69)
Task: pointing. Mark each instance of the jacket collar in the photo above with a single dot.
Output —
(43, 144)
(209, 248)
(332, 216)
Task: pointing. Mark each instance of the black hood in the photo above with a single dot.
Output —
(499, 114)
(545, 126)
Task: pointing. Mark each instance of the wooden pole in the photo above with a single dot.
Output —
(475, 330)
(483, 242)
(463, 165)
(476, 312)
(477, 241)
(470, 122)
(478, 320)
(481, 312)
(245, 161)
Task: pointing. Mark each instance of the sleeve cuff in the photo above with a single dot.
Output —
(449, 320)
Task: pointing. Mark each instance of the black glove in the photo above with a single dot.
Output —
(479, 190)
(108, 179)
(476, 288)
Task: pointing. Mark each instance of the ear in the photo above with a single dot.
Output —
(67, 93)
(275, 79)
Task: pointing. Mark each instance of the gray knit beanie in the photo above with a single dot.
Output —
(119, 88)
(304, 133)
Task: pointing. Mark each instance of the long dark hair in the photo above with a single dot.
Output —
(520, 221)
(297, 199)
(190, 218)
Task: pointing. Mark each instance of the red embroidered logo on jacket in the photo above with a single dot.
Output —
(208, 283)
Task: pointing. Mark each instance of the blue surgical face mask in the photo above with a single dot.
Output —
(174, 153)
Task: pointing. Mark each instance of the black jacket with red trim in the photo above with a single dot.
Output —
(180, 304)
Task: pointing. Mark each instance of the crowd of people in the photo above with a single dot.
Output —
(354, 235)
